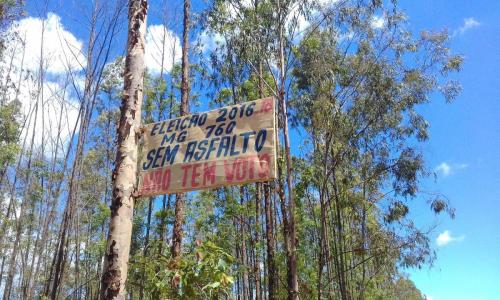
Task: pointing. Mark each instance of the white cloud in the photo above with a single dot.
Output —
(47, 105)
(233, 9)
(427, 297)
(61, 49)
(162, 45)
(377, 22)
(297, 22)
(341, 37)
(446, 169)
(56, 111)
(468, 24)
(445, 238)
(210, 40)
(247, 3)
(294, 20)
(325, 3)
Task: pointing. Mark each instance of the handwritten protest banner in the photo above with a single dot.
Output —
(229, 146)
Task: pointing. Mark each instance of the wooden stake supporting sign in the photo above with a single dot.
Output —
(229, 146)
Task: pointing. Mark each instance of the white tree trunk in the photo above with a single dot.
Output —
(124, 175)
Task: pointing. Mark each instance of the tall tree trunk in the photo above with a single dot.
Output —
(44, 226)
(364, 242)
(256, 242)
(61, 255)
(19, 221)
(341, 264)
(166, 199)
(24, 205)
(146, 243)
(293, 289)
(124, 175)
(258, 198)
(292, 279)
(245, 282)
(271, 266)
(179, 203)
(324, 251)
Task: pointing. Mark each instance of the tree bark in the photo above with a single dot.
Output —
(124, 175)
(146, 243)
(184, 109)
(271, 266)
(293, 288)
(19, 225)
(256, 242)
(244, 259)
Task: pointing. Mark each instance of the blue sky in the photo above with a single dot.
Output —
(463, 148)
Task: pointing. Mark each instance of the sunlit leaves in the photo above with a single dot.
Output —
(204, 273)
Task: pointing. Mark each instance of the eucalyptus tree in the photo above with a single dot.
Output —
(124, 176)
(184, 110)
(10, 109)
(255, 34)
(10, 117)
(354, 76)
(103, 27)
(358, 85)
(349, 78)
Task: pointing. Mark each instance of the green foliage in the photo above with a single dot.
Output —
(9, 131)
(358, 98)
(353, 93)
(10, 10)
(112, 82)
(397, 289)
(204, 273)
